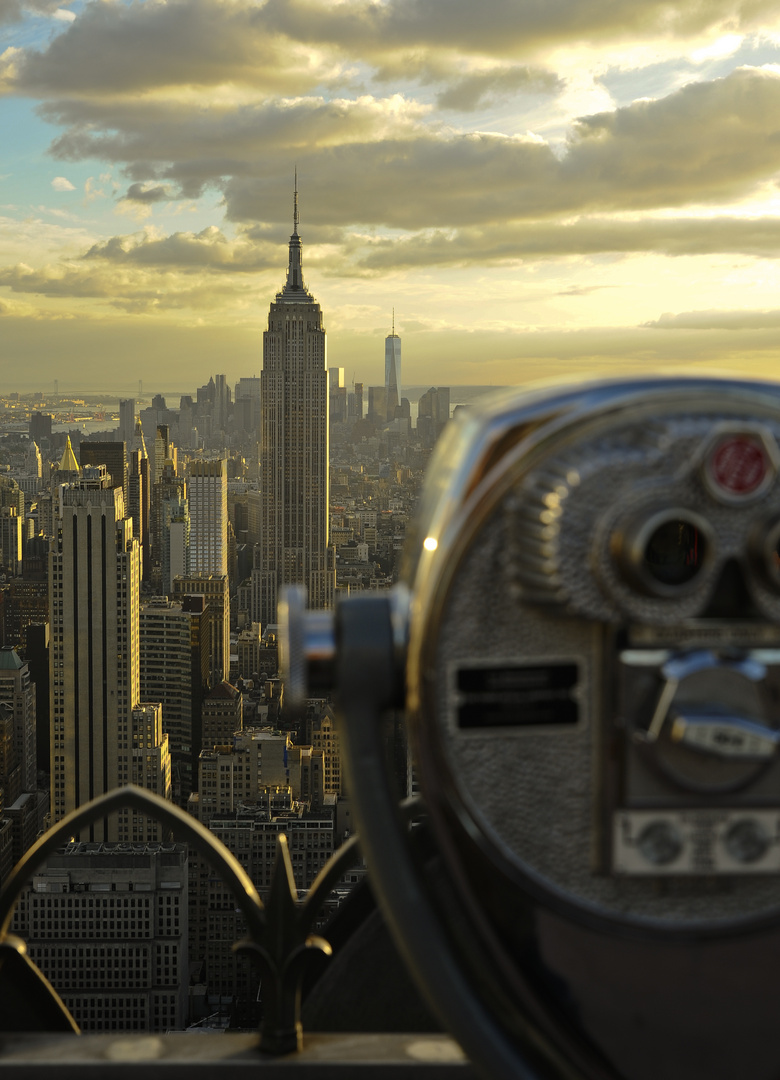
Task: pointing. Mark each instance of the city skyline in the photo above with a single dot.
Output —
(535, 192)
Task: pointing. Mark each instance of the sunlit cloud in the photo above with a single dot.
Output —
(14, 10)
(718, 320)
(131, 289)
(209, 249)
(723, 46)
(92, 190)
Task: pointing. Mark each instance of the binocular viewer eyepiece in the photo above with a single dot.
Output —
(586, 645)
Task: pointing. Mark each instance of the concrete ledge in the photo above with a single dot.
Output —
(178, 1055)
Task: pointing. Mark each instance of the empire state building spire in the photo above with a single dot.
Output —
(295, 203)
(294, 288)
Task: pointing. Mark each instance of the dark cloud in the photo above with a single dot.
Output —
(497, 27)
(535, 240)
(126, 48)
(257, 249)
(10, 11)
(706, 142)
(473, 91)
(146, 195)
(408, 183)
(158, 140)
(377, 163)
(292, 47)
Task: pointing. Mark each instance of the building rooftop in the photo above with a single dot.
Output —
(68, 461)
(10, 660)
(224, 691)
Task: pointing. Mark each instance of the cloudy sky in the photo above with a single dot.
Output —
(537, 188)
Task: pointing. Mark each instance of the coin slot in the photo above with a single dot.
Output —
(527, 696)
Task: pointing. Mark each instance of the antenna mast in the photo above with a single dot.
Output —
(295, 203)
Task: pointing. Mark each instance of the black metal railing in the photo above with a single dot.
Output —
(279, 933)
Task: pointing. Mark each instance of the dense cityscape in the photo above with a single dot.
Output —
(143, 549)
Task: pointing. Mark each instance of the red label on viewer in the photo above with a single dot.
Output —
(739, 464)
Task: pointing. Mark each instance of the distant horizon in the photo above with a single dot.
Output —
(416, 389)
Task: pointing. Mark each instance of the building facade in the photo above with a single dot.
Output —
(111, 454)
(108, 926)
(216, 590)
(294, 449)
(251, 834)
(207, 493)
(150, 767)
(140, 495)
(94, 587)
(17, 695)
(175, 670)
(223, 715)
(126, 429)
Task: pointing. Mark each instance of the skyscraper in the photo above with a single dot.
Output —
(221, 403)
(111, 454)
(94, 584)
(433, 412)
(11, 540)
(163, 451)
(378, 407)
(140, 495)
(294, 448)
(207, 492)
(175, 659)
(176, 541)
(94, 587)
(393, 371)
(337, 395)
(17, 697)
(40, 427)
(246, 411)
(216, 590)
(126, 429)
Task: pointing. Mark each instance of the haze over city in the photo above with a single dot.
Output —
(535, 190)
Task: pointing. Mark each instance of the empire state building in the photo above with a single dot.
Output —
(293, 544)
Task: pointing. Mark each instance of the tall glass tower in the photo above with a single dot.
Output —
(392, 371)
(293, 448)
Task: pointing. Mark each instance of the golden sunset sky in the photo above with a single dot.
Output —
(537, 188)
